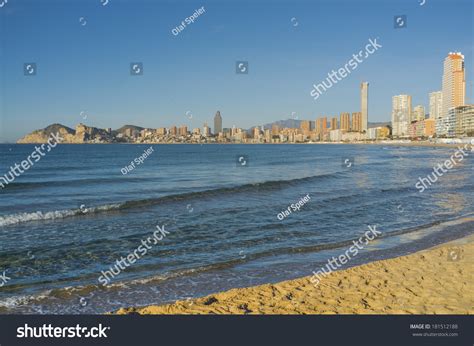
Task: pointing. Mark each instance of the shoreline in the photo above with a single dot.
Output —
(437, 280)
(396, 144)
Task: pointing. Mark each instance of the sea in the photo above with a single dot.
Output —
(74, 213)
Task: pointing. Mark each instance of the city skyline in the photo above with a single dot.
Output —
(456, 119)
(83, 68)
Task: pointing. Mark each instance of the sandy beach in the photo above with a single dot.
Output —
(439, 280)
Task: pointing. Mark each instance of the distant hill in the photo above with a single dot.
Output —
(42, 135)
(55, 128)
(124, 128)
(82, 134)
(380, 124)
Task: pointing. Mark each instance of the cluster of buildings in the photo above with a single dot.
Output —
(347, 127)
(448, 117)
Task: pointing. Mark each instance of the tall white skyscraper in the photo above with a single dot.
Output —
(436, 104)
(401, 115)
(364, 105)
(454, 83)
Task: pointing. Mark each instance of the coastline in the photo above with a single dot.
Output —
(394, 144)
(430, 281)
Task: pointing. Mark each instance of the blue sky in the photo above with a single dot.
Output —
(86, 68)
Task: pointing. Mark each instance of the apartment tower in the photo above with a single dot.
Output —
(401, 115)
(454, 83)
(364, 106)
(436, 104)
(217, 123)
(345, 121)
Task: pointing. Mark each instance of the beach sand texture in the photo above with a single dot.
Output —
(439, 280)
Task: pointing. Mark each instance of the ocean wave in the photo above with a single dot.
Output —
(52, 215)
(250, 187)
(67, 296)
(75, 182)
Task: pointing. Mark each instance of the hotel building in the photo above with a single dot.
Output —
(345, 122)
(418, 113)
(217, 123)
(356, 122)
(305, 126)
(436, 104)
(364, 106)
(454, 83)
(321, 126)
(183, 130)
(401, 115)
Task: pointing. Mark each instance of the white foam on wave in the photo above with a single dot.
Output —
(22, 300)
(52, 215)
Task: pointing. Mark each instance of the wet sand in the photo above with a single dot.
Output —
(439, 280)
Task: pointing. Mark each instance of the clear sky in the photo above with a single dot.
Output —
(83, 71)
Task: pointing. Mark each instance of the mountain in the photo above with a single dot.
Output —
(82, 134)
(124, 129)
(42, 136)
(380, 124)
(290, 123)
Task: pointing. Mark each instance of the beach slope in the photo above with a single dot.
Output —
(439, 280)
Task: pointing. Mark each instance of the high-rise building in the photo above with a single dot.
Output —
(321, 126)
(345, 121)
(305, 126)
(173, 131)
(268, 135)
(418, 113)
(217, 123)
(436, 104)
(401, 115)
(275, 130)
(364, 105)
(334, 123)
(183, 130)
(161, 131)
(356, 122)
(206, 131)
(256, 132)
(454, 83)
